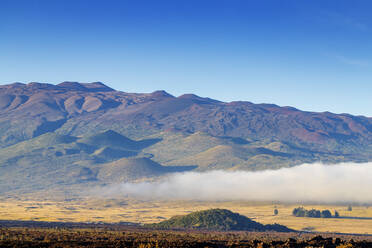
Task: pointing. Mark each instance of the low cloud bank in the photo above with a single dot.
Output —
(347, 182)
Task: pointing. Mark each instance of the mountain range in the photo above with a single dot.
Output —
(78, 133)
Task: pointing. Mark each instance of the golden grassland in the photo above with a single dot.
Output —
(129, 210)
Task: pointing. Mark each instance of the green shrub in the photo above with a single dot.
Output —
(336, 214)
(326, 214)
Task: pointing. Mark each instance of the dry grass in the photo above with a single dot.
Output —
(129, 210)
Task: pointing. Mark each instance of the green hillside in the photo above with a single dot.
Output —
(212, 152)
(217, 220)
(54, 159)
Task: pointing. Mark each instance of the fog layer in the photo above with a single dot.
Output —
(347, 182)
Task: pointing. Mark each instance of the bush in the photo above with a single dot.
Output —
(326, 214)
(312, 213)
(299, 212)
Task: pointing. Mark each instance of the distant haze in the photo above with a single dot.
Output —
(346, 182)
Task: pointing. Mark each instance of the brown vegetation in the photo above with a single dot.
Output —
(139, 237)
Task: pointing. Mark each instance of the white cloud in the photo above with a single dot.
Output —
(345, 182)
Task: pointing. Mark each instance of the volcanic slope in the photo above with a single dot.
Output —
(53, 159)
(29, 110)
(230, 153)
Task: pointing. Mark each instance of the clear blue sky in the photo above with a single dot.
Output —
(314, 55)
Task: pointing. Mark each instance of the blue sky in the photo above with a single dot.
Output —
(314, 55)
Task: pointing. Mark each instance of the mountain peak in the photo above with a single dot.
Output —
(189, 96)
(97, 86)
(72, 85)
(91, 87)
(40, 86)
(198, 98)
(17, 84)
(161, 93)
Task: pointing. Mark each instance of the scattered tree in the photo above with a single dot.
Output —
(337, 214)
(312, 213)
(276, 212)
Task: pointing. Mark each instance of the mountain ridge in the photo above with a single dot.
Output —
(101, 87)
(77, 108)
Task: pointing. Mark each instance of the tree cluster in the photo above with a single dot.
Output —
(314, 213)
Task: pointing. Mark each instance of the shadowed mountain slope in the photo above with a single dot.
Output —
(52, 159)
(127, 169)
(110, 138)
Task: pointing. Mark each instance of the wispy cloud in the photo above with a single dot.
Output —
(352, 61)
(345, 182)
(347, 21)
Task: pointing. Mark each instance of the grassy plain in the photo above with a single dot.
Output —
(359, 220)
